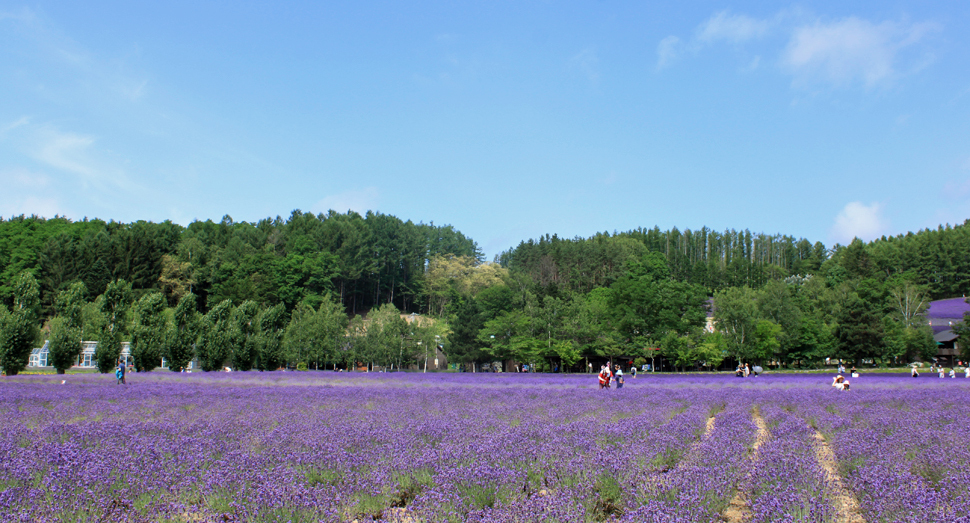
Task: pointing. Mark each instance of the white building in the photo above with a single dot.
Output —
(41, 357)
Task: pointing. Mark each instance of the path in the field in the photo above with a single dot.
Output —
(739, 511)
(692, 453)
(845, 503)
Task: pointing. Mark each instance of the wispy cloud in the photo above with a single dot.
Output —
(857, 220)
(814, 52)
(667, 51)
(586, 62)
(23, 120)
(849, 50)
(732, 28)
(67, 151)
(357, 200)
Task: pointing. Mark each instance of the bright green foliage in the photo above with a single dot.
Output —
(64, 343)
(183, 333)
(216, 337)
(149, 332)
(18, 327)
(736, 316)
(113, 305)
(385, 335)
(646, 303)
(765, 340)
(430, 333)
(312, 335)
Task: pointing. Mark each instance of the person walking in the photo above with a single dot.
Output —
(120, 373)
(619, 377)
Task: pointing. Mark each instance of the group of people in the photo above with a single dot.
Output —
(942, 371)
(607, 376)
(744, 370)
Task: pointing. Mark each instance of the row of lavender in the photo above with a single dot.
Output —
(339, 447)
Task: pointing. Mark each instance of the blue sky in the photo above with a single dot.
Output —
(508, 120)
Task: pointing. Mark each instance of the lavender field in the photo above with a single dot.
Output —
(477, 447)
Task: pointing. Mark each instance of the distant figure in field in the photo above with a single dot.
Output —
(739, 371)
(953, 373)
(747, 370)
(120, 373)
(915, 372)
(633, 371)
(967, 371)
(619, 377)
(942, 372)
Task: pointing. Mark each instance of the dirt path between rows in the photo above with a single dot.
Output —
(738, 510)
(845, 503)
(691, 455)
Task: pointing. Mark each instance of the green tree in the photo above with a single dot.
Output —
(385, 331)
(18, 327)
(149, 331)
(64, 344)
(313, 335)
(216, 337)
(736, 317)
(113, 305)
(245, 331)
(269, 346)
(859, 333)
(183, 333)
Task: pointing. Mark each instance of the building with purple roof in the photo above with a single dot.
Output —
(942, 316)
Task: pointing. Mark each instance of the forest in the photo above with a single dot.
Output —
(345, 290)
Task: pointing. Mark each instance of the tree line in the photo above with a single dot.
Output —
(335, 289)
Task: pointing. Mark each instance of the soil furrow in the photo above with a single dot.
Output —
(739, 510)
(845, 503)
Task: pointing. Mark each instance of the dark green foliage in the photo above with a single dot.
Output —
(183, 333)
(18, 326)
(269, 339)
(64, 343)
(245, 333)
(148, 332)
(113, 306)
(859, 333)
(216, 337)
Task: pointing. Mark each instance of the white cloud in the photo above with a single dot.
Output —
(359, 201)
(586, 61)
(733, 28)
(857, 220)
(667, 51)
(849, 50)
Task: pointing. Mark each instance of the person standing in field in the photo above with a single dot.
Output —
(120, 373)
(619, 377)
(916, 372)
(633, 371)
(604, 377)
(953, 373)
